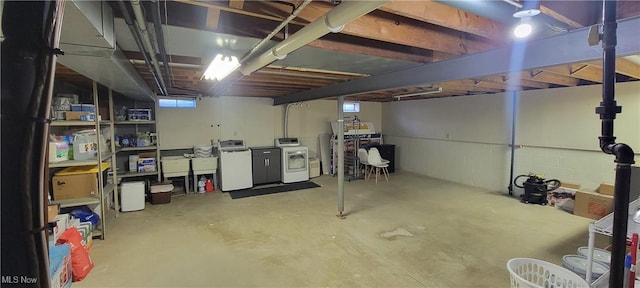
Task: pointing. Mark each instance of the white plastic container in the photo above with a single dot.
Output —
(85, 145)
(58, 151)
(533, 273)
(599, 255)
(578, 264)
(132, 196)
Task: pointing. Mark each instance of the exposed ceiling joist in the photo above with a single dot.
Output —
(570, 47)
(447, 16)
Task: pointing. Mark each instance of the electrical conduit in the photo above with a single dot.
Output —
(137, 11)
(136, 36)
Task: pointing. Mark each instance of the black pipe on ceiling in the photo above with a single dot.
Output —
(157, 25)
(135, 32)
(32, 32)
(624, 154)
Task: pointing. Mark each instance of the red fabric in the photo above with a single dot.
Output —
(81, 263)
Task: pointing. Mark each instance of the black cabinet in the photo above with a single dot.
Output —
(266, 165)
(387, 152)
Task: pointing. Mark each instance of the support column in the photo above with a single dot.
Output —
(340, 149)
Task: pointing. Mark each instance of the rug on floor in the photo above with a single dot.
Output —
(272, 189)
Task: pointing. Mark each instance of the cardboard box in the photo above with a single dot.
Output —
(607, 189)
(147, 154)
(62, 222)
(52, 212)
(592, 205)
(569, 185)
(60, 268)
(74, 186)
(75, 115)
(147, 165)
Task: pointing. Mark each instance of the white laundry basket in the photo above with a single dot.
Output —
(533, 273)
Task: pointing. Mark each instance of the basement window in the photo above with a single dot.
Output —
(351, 107)
(176, 103)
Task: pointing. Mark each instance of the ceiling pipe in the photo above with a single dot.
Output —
(142, 25)
(284, 23)
(332, 21)
(136, 36)
(157, 24)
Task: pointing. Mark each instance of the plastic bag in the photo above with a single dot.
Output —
(86, 216)
(80, 261)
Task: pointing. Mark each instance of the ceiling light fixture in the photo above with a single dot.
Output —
(525, 27)
(433, 90)
(220, 67)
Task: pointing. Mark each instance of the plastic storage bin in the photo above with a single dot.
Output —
(533, 273)
(132, 196)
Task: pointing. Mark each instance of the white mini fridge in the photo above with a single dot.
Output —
(132, 196)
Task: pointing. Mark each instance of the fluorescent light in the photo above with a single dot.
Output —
(423, 92)
(221, 66)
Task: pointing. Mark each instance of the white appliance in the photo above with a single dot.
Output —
(295, 160)
(132, 196)
(235, 165)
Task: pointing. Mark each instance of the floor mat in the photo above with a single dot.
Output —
(273, 189)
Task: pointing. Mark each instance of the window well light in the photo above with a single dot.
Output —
(221, 66)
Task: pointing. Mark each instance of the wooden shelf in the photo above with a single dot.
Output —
(77, 201)
(135, 122)
(135, 174)
(138, 148)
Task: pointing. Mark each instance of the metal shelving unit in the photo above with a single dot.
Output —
(136, 174)
(105, 190)
(143, 148)
(136, 125)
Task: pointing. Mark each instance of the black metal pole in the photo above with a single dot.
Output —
(624, 154)
(513, 139)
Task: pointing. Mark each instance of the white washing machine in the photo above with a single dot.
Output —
(235, 165)
(295, 160)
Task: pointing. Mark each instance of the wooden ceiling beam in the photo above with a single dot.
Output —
(410, 32)
(238, 4)
(213, 17)
(623, 66)
(575, 13)
(580, 71)
(369, 51)
(548, 77)
(233, 10)
(448, 17)
(522, 82)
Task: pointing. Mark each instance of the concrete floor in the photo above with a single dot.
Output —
(413, 231)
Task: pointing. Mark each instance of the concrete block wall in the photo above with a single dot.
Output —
(254, 120)
(466, 139)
